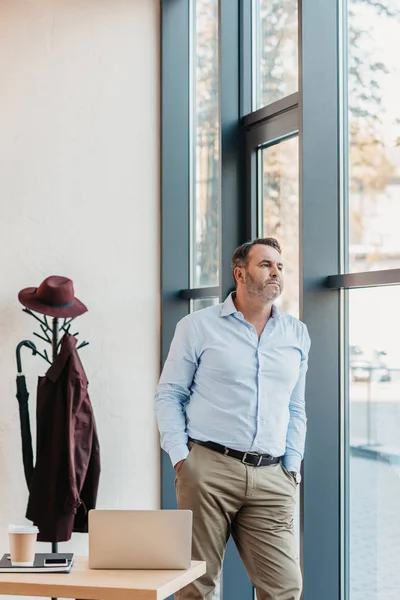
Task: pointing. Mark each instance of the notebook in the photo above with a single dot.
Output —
(39, 564)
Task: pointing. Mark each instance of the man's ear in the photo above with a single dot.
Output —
(239, 274)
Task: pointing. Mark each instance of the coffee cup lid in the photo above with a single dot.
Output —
(23, 529)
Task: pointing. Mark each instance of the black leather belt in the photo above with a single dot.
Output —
(247, 458)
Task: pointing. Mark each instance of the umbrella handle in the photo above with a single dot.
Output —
(29, 345)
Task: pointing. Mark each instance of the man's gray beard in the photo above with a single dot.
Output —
(260, 292)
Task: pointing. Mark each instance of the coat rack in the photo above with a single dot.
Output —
(53, 335)
(55, 331)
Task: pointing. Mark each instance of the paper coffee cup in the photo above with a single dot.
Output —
(22, 544)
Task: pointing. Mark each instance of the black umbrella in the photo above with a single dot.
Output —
(22, 397)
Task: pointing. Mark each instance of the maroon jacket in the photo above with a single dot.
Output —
(65, 480)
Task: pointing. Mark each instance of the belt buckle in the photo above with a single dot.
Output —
(252, 454)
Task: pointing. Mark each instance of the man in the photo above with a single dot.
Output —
(231, 414)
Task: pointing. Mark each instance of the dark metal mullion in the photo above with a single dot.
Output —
(320, 155)
(345, 456)
(255, 35)
(192, 141)
(301, 276)
(275, 129)
(245, 56)
(174, 188)
(252, 174)
(247, 48)
(345, 413)
(275, 108)
(362, 280)
(344, 297)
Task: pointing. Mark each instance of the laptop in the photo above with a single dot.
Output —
(140, 539)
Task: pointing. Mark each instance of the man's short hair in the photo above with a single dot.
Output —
(240, 257)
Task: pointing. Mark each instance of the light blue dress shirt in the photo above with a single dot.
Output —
(222, 383)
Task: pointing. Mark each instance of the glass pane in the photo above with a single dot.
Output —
(374, 134)
(275, 50)
(205, 134)
(279, 212)
(202, 303)
(374, 474)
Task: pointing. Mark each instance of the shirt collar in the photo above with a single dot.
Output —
(229, 308)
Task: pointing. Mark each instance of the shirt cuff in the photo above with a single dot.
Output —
(292, 463)
(178, 452)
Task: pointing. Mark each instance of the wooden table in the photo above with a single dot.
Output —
(88, 584)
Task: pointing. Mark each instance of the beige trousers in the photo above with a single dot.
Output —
(253, 504)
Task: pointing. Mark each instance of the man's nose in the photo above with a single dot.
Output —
(274, 271)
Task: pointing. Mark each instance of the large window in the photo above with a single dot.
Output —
(374, 134)
(374, 487)
(275, 49)
(279, 211)
(205, 132)
(371, 322)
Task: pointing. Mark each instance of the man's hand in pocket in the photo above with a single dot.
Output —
(178, 465)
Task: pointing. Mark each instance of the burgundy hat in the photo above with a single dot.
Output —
(54, 297)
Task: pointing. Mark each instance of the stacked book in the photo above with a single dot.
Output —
(44, 563)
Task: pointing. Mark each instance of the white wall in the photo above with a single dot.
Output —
(79, 196)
